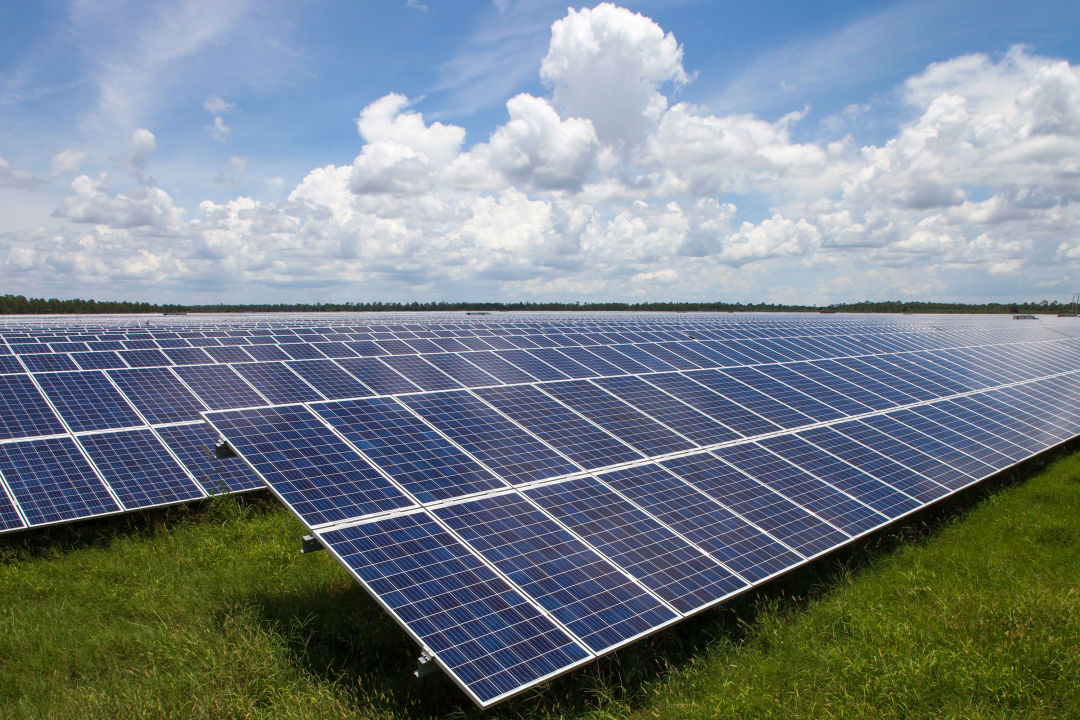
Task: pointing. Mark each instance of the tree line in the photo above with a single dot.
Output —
(20, 305)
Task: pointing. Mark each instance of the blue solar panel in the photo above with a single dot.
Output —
(823, 500)
(485, 633)
(98, 360)
(188, 356)
(219, 387)
(684, 419)
(846, 405)
(314, 471)
(87, 400)
(9, 516)
(9, 364)
(741, 547)
(194, 445)
(669, 566)
(52, 481)
(462, 370)
(953, 438)
(750, 398)
(48, 362)
(490, 437)
(377, 376)
(969, 466)
(573, 436)
(23, 411)
(158, 395)
(638, 354)
(599, 604)
(875, 464)
(144, 358)
(277, 383)
(563, 363)
(531, 364)
(987, 423)
(845, 477)
(768, 510)
(328, 378)
(862, 370)
(716, 406)
(497, 367)
(904, 454)
(617, 417)
(139, 469)
(860, 379)
(403, 446)
(837, 384)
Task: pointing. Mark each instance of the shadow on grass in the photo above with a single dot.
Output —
(54, 540)
(343, 636)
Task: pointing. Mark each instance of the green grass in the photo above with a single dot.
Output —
(972, 611)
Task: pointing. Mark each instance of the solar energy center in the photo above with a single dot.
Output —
(524, 492)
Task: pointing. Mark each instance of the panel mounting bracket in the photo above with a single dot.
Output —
(310, 544)
(424, 664)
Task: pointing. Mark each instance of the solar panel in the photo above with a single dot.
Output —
(86, 400)
(525, 492)
(421, 460)
(139, 469)
(23, 410)
(53, 482)
(484, 633)
(316, 473)
(490, 437)
(558, 426)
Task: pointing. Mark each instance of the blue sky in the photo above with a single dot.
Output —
(239, 151)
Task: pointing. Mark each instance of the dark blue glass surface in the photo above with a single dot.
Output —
(407, 449)
(599, 604)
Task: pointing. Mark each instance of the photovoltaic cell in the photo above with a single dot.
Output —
(377, 376)
(461, 370)
(617, 417)
(848, 478)
(314, 471)
(599, 604)
(509, 451)
(87, 400)
(48, 362)
(687, 421)
(9, 516)
(663, 562)
(23, 411)
(712, 404)
(194, 445)
(748, 397)
(497, 367)
(139, 469)
(329, 378)
(52, 481)
(573, 436)
(219, 387)
(904, 454)
(768, 510)
(408, 450)
(277, 383)
(485, 633)
(158, 395)
(875, 464)
(737, 544)
(531, 364)
(824, 501)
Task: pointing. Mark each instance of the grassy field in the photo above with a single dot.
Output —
(971, 611)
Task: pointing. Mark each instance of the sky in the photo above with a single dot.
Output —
(204, 151)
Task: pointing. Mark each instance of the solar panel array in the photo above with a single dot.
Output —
(523, 492)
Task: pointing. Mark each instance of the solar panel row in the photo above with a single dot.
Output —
(618, 522)
(523, 494)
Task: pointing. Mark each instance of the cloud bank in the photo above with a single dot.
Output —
(608, 187)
